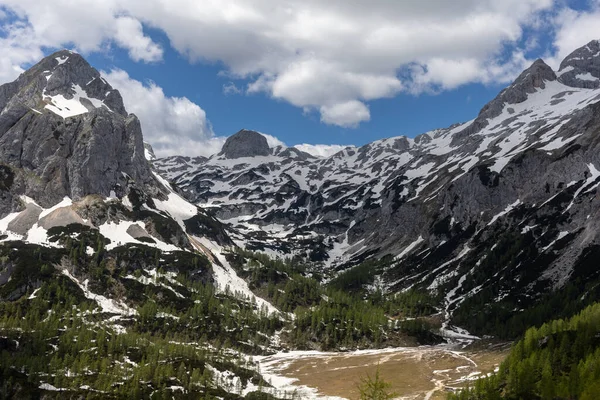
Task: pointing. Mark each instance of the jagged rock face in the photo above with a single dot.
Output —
(530, 80)
(245, 143)
(73, 168)
(149, 152)
(175, 165)
(64, 132)
(527, 170)
(581, 68)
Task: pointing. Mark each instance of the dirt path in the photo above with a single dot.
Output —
(415, 373)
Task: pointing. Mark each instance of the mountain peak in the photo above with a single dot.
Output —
(62, 122)
(529, 81)
(68, 85)
(581, 68)
(245, 143)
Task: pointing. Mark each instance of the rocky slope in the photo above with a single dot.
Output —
(444, 207)
(96, 249)
(73, 168)
(114, 285)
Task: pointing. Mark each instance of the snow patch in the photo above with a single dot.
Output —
(107, 305)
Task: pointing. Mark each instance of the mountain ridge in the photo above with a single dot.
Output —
(113, 283)
(435, 204)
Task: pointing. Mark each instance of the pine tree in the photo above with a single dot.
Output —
(375, 388)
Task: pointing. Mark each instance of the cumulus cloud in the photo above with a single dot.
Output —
(348, 114)
(332, 57)
(573, 30)
(272, 141)
(85, 25)
(129, 34)
(321, 150)
(231, 88)
(447, 74)
(18, 48)
(335, 56)
(172, 125)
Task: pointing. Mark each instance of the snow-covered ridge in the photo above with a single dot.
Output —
(281, 194)
(32, 224)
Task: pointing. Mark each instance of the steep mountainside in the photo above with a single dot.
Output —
(112, 285)
(496, 211)
(109, 280)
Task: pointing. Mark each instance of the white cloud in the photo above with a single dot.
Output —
(328, 56)
(17, 49)
(129, 34)
(172, 125)
(573, 30)
(332, 57)
(321, 150)
(440, 73)
(348, 114)
(231, 88)
(272, 141)
(86, 25)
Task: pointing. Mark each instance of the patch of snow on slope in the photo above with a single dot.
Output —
(66, 108)
(65, 202)
(410, 248)
(225, 277)
(586, 77)
(154, 280)
(443, 277)
(107, 305)
(594, 174)
(148, 155)
(343, 251)
(61, 60)
(508, 209)
(39, 235)
(33, 295)
(7, 220)
(176, 206)
(117, 233)
(49, 387)
(559, 143)
(560, 236)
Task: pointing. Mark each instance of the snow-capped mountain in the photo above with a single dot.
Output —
(112, 284)
(525, 170)
(73, 161)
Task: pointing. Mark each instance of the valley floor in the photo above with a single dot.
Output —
(424, 372)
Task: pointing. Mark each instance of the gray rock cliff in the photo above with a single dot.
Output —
(245, 143)
(581, 68)
(65, 132)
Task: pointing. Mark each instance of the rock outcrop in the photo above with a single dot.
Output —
(581, 68)
(245, 143)
(65, 132)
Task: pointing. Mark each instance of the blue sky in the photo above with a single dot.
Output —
(405, 114)
(343, 73)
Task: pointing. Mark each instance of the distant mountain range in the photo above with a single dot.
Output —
(488, 216)
(526, 169)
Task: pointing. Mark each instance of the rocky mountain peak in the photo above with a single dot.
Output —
(67, 74)
(62, 122)
(245, 143)
(581, 68)
(529, 81)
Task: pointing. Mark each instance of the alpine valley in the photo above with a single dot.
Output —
(127, 276)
